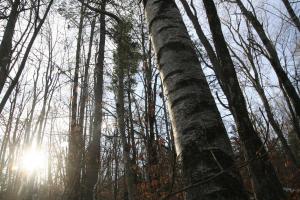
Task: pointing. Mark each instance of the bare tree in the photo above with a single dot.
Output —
(75, 139)
(293, 16)
(272, 57)
(6, 43)
(93, 153)
(15, 80)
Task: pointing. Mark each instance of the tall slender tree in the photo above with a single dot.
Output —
(264, 178)
(122, 60)
(6, 43)
(294, 18)
(38, 23)
(73, 187)
(93, 151)
(272, 57)
(256, 81)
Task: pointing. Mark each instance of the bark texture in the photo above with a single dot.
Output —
(200, 137)
(265, 182)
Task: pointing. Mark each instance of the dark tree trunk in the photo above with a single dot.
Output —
(24, 59)
(6, 43)
(273, 57)
(122, 56)
(73, 187)
(265, 181)
(294, 17)
(88, 188)
(260, 90)
(93, 151)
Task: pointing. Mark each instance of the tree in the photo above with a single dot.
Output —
(6, 43)
(200, 136)
(251, 56)
(93, 151)
(97, 101)
(263, 175)
(123, 58)
(272, 57)
(293, 16)
(14, 82)
(73, 188)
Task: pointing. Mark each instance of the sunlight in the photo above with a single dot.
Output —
(34, 160)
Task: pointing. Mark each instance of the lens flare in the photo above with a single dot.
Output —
(34, 160)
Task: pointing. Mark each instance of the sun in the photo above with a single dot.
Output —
(34, 160)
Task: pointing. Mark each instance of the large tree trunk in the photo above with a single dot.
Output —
(273, 57)
(93, 153)
(200, 137)
(265, 182)
(6, 43)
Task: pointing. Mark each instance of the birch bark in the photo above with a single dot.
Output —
(200, 137)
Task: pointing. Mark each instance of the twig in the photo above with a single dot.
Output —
(211, 178)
